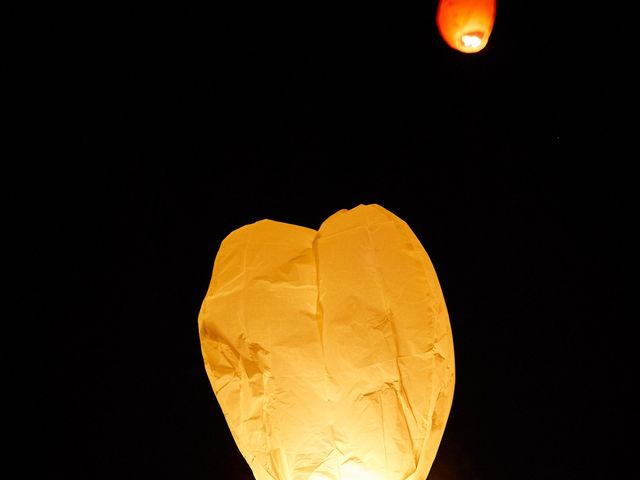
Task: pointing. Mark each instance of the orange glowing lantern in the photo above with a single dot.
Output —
(466, 24)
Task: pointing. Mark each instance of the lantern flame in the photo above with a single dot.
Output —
(472, 40)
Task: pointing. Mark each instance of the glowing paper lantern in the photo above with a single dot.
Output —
(330, 352)
(466, 24)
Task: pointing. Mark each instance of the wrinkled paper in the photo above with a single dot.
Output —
(330, 352)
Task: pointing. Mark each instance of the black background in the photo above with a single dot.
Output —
(167, 128)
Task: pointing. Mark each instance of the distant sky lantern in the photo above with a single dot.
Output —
(330, 352)
(466, 24)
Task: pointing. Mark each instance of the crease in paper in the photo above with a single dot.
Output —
(330, 351)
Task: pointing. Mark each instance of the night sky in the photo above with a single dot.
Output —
(167, 128)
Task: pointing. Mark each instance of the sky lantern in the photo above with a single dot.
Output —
(330, 352)
(466, 24)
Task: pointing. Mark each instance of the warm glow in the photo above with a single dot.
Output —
(355, 471)
(349, 471)
(330, 351)
(465, 25)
